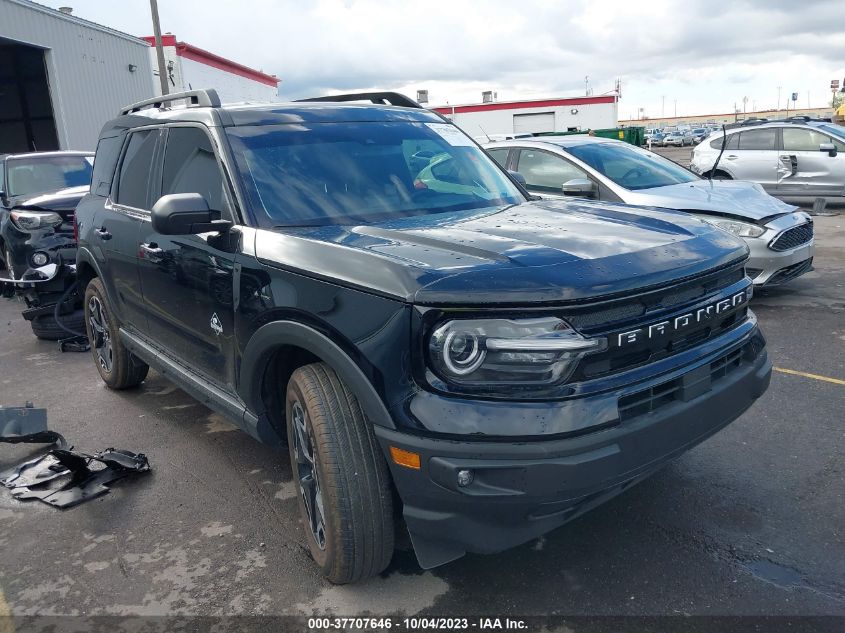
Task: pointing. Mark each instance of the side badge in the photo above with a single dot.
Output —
(216, 325)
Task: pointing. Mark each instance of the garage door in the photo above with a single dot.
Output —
(533, 123)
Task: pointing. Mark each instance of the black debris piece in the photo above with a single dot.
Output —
(19, 425)
(87, 476)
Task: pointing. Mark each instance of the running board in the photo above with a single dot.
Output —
(224, 403)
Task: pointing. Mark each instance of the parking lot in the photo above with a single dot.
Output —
(750, 522)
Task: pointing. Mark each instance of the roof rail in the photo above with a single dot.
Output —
(379, 98)
(747, 123)
(201, 98)
(803, 118)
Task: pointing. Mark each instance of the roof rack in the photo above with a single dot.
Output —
(379, 98)
(200, 98)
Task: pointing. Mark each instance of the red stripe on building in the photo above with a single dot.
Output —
(515, 105)
(196, 54)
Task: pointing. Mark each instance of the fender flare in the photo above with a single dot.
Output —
(84, 256)
(269, 337)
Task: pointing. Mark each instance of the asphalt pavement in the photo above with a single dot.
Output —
(750, 522)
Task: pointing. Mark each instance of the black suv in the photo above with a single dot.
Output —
(363, 279)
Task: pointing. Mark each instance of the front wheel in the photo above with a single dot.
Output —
(117, 366)
(345, 497)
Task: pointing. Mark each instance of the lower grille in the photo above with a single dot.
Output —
(654, 398)
(789, 273)
(793, 238)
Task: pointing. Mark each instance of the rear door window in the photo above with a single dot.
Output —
(758, 139)
(133, 183)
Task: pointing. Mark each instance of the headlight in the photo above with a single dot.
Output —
(32, 220)
(483, 353)
(740, 229)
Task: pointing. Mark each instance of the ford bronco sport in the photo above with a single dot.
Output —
(363, 279)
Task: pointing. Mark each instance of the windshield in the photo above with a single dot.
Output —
(29, 175)
(356, 173)
(835, 130)
(631, 167)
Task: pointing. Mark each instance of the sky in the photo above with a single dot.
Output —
(691, 57)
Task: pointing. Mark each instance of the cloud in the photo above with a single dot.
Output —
(527, 48)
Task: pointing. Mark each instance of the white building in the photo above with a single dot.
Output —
(190, 67)
(573, 114)
(62, 77)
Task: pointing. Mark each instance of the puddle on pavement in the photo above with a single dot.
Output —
(775, 574)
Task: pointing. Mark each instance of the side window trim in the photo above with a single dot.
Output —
(229, 190)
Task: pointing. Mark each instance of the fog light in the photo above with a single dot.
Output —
(40, 258)
(465, 478)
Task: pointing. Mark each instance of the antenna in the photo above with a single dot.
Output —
(489, 140)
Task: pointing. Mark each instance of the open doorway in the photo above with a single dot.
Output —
(26, 111)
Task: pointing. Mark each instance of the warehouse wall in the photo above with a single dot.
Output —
(589, 116)
(87, 68)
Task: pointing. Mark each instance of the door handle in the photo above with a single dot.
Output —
(731, 156)
(151, 248)
(103, 233)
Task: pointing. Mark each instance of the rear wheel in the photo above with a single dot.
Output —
(118, 368)
(345, 498)
(721, 175)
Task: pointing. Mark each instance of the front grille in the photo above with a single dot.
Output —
(793, 238)
(654, 398)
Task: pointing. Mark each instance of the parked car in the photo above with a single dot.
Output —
(657, 139)
(699, 134)
(678, 138)
(38, 195)
(801, 158)
(496, 366)
(779, 236)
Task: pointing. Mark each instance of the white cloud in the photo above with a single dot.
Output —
(706, 55)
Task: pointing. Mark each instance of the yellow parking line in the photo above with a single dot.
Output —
(835, 381)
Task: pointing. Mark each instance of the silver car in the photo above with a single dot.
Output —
(677, 139)
(779, 235)
(792, 158)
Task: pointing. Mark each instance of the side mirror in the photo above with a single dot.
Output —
(830, 148)
(185, 214)
(579, 187)
(518, 177)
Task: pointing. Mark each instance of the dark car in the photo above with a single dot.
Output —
(38, 195)
(429, 340)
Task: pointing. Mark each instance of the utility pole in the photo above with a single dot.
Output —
(676, 108)
(663, 108)
(586, 85)
(777, 109)
(744, 101)
(162, 69)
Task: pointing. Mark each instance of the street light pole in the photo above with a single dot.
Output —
(162, 69)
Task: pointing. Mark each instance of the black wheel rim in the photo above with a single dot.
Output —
(309, 480)
(101, 337)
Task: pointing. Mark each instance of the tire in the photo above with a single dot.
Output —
(46, 328)
(118, 368)
(352, 481)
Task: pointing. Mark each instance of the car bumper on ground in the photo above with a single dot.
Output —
(521, 489)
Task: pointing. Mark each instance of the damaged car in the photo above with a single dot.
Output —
(440, 352)
(39, 193)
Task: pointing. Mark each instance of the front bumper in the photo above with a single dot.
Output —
(522, 489)
(768, 267)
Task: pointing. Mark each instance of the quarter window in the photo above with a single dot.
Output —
(190, 166)
(500, 155)
(733, 142)
(134, 181)
(757, 139)
(546, 172)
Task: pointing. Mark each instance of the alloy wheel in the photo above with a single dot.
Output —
(309, 480)
(100, 332)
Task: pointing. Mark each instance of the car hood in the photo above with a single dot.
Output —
(63, 201)
(542, 251)
(746, 200)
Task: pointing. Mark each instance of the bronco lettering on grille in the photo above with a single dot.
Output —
(682, 322)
